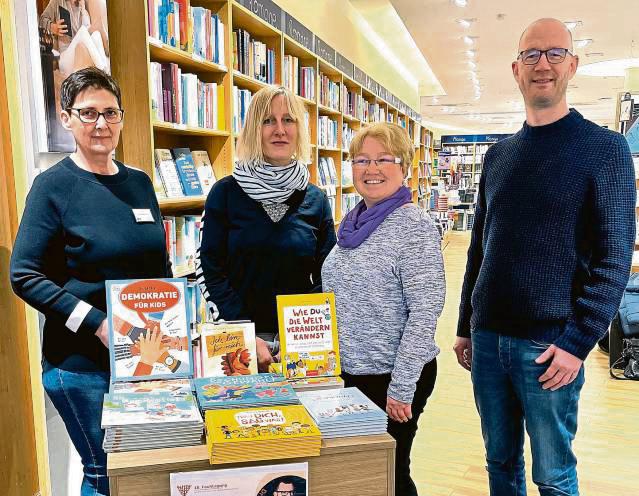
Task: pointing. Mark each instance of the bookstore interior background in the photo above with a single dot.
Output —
(188, 70)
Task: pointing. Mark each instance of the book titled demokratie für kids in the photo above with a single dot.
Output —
(308, 335)
(149, 329)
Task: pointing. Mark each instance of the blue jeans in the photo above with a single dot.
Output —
(509, 396)
(76, 388)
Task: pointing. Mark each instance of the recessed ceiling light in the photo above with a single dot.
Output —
(470, 40)
(583, 43)
(472, 64)
(461, 3)
(573, 24)
(470, 53)
(465, 23)
(612, 68)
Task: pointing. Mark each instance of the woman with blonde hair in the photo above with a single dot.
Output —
(266, 230)
(388, 278)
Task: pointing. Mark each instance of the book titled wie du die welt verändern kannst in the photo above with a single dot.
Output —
(149, 329)
(308, 335)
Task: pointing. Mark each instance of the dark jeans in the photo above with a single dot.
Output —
(375, 388)
(76, 388)
(509, 397)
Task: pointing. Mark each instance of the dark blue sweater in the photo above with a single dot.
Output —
(246, 259)
(553, 237)
(78, 230)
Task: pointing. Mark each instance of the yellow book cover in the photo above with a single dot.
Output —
(221, 126)
(258, 424)
(309, 346)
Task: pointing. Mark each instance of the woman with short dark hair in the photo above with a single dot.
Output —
(87, 219)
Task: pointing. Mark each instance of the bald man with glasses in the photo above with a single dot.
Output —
(550, 256)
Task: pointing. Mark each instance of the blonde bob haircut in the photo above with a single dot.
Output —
(249, 142)
(393, 137)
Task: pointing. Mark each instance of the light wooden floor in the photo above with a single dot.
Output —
(448, 454)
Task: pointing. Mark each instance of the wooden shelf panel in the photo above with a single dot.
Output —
(172, 205)
(324, 110)
(171, 128)
(307, 101)
(328, 149)
(292, 47)
(161, 52)
(247, 82)
(350, 119)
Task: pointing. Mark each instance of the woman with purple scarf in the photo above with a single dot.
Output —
(388, 278)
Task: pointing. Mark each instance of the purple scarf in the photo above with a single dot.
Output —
(360, 222)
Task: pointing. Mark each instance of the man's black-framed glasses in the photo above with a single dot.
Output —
(553, 55)
(91, 116)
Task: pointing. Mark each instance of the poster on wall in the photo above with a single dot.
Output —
(73, 35)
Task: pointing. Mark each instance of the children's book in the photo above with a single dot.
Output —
(267, 480)
(228, 349)
(337, 405)
(149, 329)
(216, 396)
(173, 387)
(237, 426)
(308, 335)
(137, 409)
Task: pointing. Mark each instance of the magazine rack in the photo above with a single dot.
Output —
(362, 465)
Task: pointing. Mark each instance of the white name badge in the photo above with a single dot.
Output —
(142, 215)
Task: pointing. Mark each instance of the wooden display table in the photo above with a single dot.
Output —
(362, 465)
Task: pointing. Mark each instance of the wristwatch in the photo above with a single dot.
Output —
(169, 361)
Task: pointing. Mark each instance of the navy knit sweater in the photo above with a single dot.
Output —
(553, 237)
(78, 230)
(246, 260)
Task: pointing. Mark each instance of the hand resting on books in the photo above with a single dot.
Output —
(264, 357)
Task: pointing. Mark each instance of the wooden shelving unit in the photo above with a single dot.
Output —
(132, 47)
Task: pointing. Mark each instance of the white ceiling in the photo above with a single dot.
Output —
(613, 26)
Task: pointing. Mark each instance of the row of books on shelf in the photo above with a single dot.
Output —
(349, 201)
(195, 30)
(182, 240)
(353, 103)
(299, 79)
(348, 133)
(329, 92)
(327, 132)
(181, 98)
(183, 172)
(252, 57)
(241, 101)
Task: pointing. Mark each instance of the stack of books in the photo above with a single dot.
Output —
(317, 383)
(246, 391)
(139, 421)
(234, 436)
(344, 412)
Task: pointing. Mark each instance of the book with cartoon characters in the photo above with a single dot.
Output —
(149, 329)
(265, 433)
(309, 345)
(172, 387)
(344, 412)
(136, 421)
(246, 391)
(266, 480)
(228, 349)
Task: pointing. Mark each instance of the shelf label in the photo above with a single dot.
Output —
(324, 50)
(473, 138)
(298, 32)
(359, 76)
(265, 10)
(344, 65)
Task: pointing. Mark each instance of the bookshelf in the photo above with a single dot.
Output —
(356, 101)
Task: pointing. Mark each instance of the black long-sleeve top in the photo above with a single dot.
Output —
(78, 230)
(245, 259)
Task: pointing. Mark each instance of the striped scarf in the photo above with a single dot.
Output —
(271, 184)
